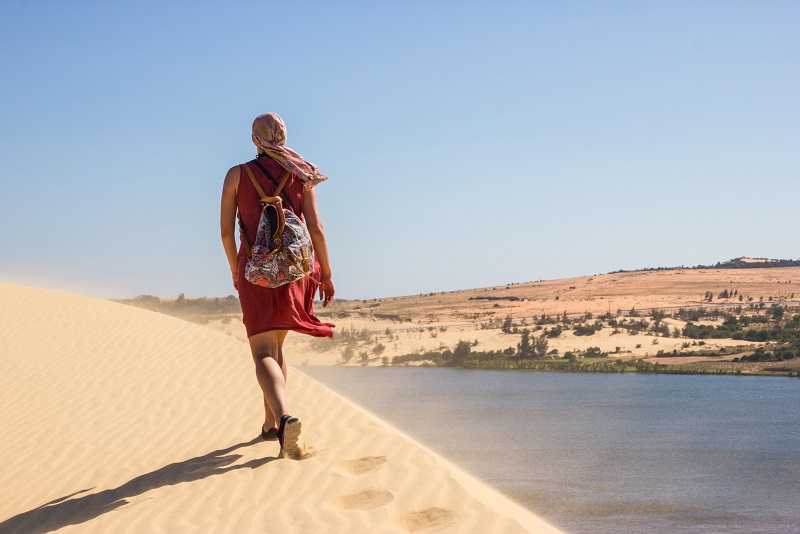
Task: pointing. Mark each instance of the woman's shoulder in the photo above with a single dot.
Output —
(233, 175)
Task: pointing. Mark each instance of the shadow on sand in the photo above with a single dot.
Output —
(67, 510)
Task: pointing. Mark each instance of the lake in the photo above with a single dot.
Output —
(606, 453)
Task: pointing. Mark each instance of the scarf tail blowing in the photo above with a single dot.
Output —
(269, 135)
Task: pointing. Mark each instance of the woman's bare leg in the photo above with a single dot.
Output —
(270, 419)
(271, 373)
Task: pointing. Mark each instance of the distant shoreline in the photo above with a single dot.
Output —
(638, 368)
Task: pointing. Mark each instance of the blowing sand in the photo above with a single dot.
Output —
(116, 419)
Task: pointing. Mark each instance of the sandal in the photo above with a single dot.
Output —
(288, 433)
(269, 435)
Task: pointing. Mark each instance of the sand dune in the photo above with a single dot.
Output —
(116, 419)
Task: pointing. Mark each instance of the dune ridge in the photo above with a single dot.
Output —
(117, 419)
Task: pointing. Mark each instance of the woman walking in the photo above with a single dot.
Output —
(269, 313)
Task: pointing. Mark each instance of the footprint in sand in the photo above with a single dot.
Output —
(363, 465)
(364, 500)
(427, 518)
(367, 499)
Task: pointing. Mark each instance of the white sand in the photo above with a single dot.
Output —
(116, 419)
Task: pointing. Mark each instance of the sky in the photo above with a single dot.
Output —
(467, 143)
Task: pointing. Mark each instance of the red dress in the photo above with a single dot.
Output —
(290, 306)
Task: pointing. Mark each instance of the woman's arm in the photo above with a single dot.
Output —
(314, 224)
(227, 219)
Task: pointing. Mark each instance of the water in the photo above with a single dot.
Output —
(606, 453)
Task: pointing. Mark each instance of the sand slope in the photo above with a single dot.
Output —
(116, 419)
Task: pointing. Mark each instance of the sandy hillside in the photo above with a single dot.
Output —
(116, 419)
(595, 294)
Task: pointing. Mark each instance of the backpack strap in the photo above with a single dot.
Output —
(286, 176)
(278, 186)
(255, 182)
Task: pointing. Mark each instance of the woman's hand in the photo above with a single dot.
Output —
(326, 291)
(235, 281)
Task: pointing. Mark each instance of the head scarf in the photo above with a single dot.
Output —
(269, 135)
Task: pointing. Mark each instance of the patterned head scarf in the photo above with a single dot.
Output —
(269, 135)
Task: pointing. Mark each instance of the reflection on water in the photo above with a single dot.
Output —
(606, 453)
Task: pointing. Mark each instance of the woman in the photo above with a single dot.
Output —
(269, 313)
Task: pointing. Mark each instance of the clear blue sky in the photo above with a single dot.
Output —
(467, 143)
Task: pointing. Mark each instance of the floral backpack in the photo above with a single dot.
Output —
(282, 252)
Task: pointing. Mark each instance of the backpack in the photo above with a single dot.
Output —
(282, 252)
